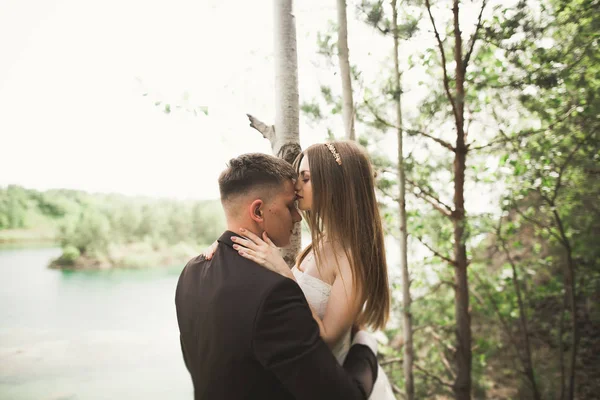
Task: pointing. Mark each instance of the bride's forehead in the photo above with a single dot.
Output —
(304, 164)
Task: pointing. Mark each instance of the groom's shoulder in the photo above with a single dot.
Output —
(249, 272)
(259, 283)
(227, 270)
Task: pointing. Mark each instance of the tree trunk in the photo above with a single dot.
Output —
(527, 360)
(525, 334)
(285, 135)
(462, 384)
(406, 299)
(343, 55)
(571, 300)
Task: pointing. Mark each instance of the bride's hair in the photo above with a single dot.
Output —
(345, 210)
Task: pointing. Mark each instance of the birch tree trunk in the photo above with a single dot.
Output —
(406, 299)
(343, 55)
(285, 134)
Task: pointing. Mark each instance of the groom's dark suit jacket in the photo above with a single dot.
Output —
(248, 333)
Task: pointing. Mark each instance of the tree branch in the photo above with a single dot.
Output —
(561, 172)
(431, 199)
(444, 346)
(374, 24)
(435, 139)
(410, 131)
(473, 39)
(434, 377)
(503, 321)
(397, 390)
(378, 117)
(388, 194)
(443, 55)
(390, 361)
(447, 365)
(539, 224)
(433, 204)
(438, 339)
(438, 254)
(268, 131)
(505, 138)
(432, 290)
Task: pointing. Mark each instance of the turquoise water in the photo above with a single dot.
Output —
(87, 335)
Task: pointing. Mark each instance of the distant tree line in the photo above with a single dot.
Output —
(94, 225)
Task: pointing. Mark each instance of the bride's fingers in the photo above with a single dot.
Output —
(251, 236)
(252, 256)
(245, 254)
(244, 242)
(267, 239)
(211, 250)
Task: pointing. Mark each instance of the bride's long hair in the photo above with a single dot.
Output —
(345, 210)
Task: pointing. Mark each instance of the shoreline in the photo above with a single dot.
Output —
(25, 237)
(83, 263)
(137, 255)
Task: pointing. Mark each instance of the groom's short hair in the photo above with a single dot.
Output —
(254, 171)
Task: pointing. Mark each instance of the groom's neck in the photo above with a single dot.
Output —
(234, 226)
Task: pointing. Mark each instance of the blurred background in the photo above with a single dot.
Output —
(117, 118)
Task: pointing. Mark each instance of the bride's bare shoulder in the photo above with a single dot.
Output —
(336, 257)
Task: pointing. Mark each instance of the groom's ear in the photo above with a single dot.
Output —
(256, 211)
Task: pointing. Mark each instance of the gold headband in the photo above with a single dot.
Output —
(333, 151)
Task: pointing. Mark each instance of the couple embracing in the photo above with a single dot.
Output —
(251, 328)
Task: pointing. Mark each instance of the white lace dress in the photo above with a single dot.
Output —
(317, 294)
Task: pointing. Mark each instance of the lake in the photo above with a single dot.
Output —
(87, 334)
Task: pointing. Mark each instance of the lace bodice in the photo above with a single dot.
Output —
(317, 294)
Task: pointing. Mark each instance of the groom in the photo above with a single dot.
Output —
(247, 332)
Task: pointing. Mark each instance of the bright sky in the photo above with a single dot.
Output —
(73, 72)
(72, 76)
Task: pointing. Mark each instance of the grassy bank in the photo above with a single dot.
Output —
(29, 236)
(133, 256)
(100, 231)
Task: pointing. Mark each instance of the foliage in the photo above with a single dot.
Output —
(532, 93)
(102, 226)
(551, 217)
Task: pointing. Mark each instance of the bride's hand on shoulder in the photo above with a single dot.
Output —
(209, 252)
(262, 251)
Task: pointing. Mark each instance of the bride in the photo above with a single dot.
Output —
(343, 272)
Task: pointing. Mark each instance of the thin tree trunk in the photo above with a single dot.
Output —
(462, 385)
(406, 299)
(527, 359)
(570, 295)
(561, 347)
(343, 55)
(285, 135)
(525, 333)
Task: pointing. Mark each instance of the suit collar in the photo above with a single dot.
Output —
(226, 238)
